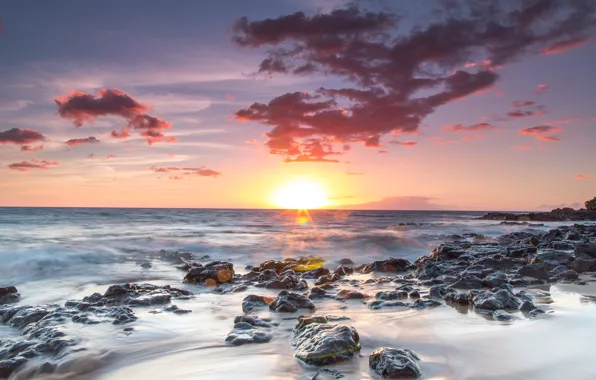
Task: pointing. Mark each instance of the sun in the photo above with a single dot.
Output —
(300, 194)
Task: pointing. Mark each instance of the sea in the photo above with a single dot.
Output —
(55, 254)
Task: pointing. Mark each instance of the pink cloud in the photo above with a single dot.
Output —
(382, 152)
(86, 140)
(29, 148)
(187, 172)
(252, 141)
(542, 88)
(523, 147)
(581, 177)
(519, 113)
(230, 97)
(407, 144)
(472, 128)
(19, 136)
(33, 164)
(523, 103)
(561, 46)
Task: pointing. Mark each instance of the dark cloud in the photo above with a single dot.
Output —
(20, 136)
(29, 148)
(397, 79)
(540, 130)
(523, 103)
(187, 172)
(33, 164)
(407, 144)
(86, 140)
(82, 108)
(520, 113)
(471, 128)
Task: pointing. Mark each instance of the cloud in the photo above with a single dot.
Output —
(109, 156)
(29, 148)
(86, 140)
(523, 147)
(472, 128)
(520, 113)
(382, 152)
(566, 120)
(564, 45)
(33, 164)
(542, 88)
(398, 203)
(389, 71)
(407, 144)
(84, 108)
(187, 172)
(21, 136)
(523, 103)
(354, 173)
(540, 130)
(581, 177)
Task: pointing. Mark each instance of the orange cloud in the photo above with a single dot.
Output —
(471, 128)
(562, 46)
(86, 140)
(407, 144)
(581, 177)
(33, 164)
(187, 172)
(19, 136)
(523, 147)
(542, 88)
(29, 148)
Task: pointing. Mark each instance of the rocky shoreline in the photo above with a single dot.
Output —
(556, 215)
(488, 276)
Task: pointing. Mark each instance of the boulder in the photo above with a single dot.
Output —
(287, 302)
(502, 299)
(539, 271)
(468, 282)
(244, 333)
(495, 280)
(211, 274)
(320, 344)
(253, 302)
(583, 263)
(457, 298)
(9, 294)
(447, 252)
(586, 249)
(346, 294)
(391, 265)
(395, 363)
(391, 295)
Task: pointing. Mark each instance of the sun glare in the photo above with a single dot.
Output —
(300, 194)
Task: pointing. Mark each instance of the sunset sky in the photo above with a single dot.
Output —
(204, 104)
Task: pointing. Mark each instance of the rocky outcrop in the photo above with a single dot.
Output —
(320, 344)
(9, 294)
(395, 363)
(556, 215)
(211, 274)
(391, 265)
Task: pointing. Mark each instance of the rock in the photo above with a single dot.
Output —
(254, 320)
(27, 316)
(345, 261)
(244, 333)
(427, 270)
(583, 263)
(502, 299)
(380, 304)
(346, 294)
(212, 274)
(572, 235)
(287, 302)
(500, 315)
(585, 249)
(395, 363)
(176, 310)
(538, 271)
(311, 274)
(495, 280)
(391, 295)
(332, 277)
(391, 265)
(535, 313)
(439, 291)
(7, 367)
(526, 307)
(447, 252)
(146, 265)
(327, 374)
(468, 282)
(9, 294)
(321, 344)
(316, 293)
(554, 258)
(289, 282)
(457, 298)
(253, 302)
(343, 270)
(305, 321)
(424, 303)
(567, 275)
(414, 294)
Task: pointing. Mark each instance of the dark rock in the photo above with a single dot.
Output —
(427, 270)
(27, 316)
(500, 315)
(327, 279)
(539, 271)
(327, 374)
(535, 313)
(495, 280)
(573, 235)
(394, 363)
(315, 273)
(9, 294)
(321, 344)
(391, 295)
(343, 270)
(346, 294)
(253, 302)
(424, 303)
(244, 333)
(439, 291)
(414, 294)
(254, 320)
(176, 310)
(7, 367)
(287, 302)
(345, 261)
(447, 251)
(527, 306)
(502, 299)
(468, 282)
(457, 298)
(583, 263)
(391, 265)
(212, 274)
(316, 293)
(380, 304)
(586, 249)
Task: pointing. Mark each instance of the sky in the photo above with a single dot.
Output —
(434, 105)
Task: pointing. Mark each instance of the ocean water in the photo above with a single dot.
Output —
(56, 254)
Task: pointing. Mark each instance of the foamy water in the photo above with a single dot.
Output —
(53, 255)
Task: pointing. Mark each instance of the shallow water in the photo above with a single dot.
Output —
(53, 255)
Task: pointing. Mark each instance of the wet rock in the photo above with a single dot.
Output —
(316, 293)
(343, 270)
(392, 295)
(457, 298)
(305, 321)
(211, 274)
(566, 274)
(327, 374)
(395, 363)
(572, 235)
(321, 343)
(289, 282)
(380, 304)
(146, 265)
(345, 261)
(27, 315)
(132, 295)
(502, 299)
(414, 294)
(346, 294)
(176, 310)
(424, 303)
(316, 273)
(254, 320)
(327, 279)
(554, 258)
(539, 271)
(8, 367)
(427, 270)
(535, 313)
(468, 282)
(447, 252)
(287, 302)
(586, 249)
(244, 333)
(527, 306)
(391, 265)
(495, 280)
(439, 291)
(253, 302)
(500, 315)
(9, 294)
(583, 263)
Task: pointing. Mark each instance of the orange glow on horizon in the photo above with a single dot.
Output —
(300, 194)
